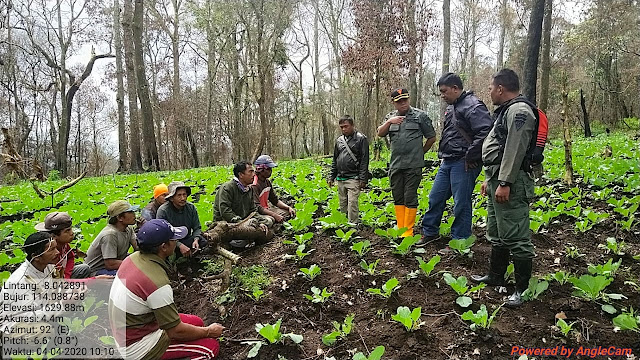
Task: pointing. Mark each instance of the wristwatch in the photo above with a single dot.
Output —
(505, 184)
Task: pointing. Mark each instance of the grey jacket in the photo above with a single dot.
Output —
(343, 165)
(473, 117)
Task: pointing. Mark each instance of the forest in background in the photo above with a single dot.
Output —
(96, 87)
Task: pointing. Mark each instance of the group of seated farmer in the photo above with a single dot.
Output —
(141, 292)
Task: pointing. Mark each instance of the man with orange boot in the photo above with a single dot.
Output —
(406, 126)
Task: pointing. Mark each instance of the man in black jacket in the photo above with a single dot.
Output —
(350, 166)
(466, 125)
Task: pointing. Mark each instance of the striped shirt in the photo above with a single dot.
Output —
(141, 307)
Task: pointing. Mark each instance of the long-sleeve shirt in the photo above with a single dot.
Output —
(506, 145)
(343, 165)
(233, 204)
(187, 216)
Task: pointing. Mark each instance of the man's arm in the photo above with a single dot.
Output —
(480, 122)
(224, 206)
(112, 264)
(383, 129)
(427, 131)
(363, 171)
(427, 144)
(109, 249)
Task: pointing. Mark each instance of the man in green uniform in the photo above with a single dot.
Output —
(406, 126)
(509, 186)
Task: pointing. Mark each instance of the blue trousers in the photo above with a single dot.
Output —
(451, 179)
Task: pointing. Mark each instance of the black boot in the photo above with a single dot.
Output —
(497, 267)
(522, 270)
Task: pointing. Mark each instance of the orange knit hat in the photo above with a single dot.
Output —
(159, 190)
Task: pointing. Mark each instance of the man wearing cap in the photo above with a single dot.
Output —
(350, 167)
(406, 126)
(263, 193)
(142, 312)
(179, 212)
(111, 246)
(467, 123)
(160, 192)
(58, 224)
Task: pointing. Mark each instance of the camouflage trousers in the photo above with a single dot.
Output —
(508, 223)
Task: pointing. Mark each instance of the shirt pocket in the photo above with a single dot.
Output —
(413, 130)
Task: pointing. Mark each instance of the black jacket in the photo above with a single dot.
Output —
(474, 119)
(343, 165)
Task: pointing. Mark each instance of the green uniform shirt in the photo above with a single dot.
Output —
(232, 204)
(406, 139)
(519, 122)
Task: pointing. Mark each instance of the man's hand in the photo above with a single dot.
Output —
(264, 228)
(279, 218)
(185, 250)
(330, 183)
(470, 165)
(483, 189)
(502, 194)
(396, 120)
(363, 184)
(292, 211)
(196, 244)
(215, 330)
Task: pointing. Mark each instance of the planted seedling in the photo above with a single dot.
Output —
(370, 268)
(311, 272)
(272, 334)
(376, 354)
(509, 273)
(592, 287)
(627, 321)
(256, 294)
(318, 296)
(427, 267)
(340, 331)
(561, 276)
(345, 237)
(463, 246)
(536, 287)
(480, 319)
(390, 234)
(404, 247)
(564, 328)
(410, 319)
(334, 221)
(572, 252)
(459, 285)
(614, 247)
(608, 269)
(300, 254)
(300, 239)
(386, 290)
(361, 247)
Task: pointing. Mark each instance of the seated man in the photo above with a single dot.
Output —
(143, 316)
(263, 193)
(111, 246)
(160, 192)
(234, 199)
(58, 224)
(179, 212)
(42, 253)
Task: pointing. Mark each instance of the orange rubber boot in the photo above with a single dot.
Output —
(409, 220)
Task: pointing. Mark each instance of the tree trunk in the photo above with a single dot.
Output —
(585, 115)
(132, 92)
(568, 163)
(546, 55)
(534, 34)
(326, 140)
(151, 148)
(412, 55)
(503, 33)
(446, 55)
(123, 160)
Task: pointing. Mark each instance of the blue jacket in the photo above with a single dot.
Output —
(474, 119)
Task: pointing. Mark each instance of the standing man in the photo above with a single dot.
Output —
(406, 126)
(350, 166)
(143, 315)
(111, 246)
(160, 192)
(58, 224)
(466, 124)
(507, 185)
(179, 212)
(263, 193)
